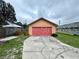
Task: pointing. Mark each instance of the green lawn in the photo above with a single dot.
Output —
(12, 49)
(69, 39)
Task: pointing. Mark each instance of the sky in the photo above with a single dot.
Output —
(67, 11)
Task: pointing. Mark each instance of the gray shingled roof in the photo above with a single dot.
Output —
(75, 24)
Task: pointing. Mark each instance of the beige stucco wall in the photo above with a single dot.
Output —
(42, 23)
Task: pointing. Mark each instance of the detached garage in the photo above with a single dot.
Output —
(42, 27)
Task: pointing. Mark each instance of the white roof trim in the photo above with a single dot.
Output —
(11, 25)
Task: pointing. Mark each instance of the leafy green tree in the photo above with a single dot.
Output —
(2, 5)
(19, 23)
(25, 29)
(11, 13)
(7, 13)
(24, 26)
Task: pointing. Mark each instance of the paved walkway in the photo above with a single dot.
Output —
(7, 38)
(48, 48)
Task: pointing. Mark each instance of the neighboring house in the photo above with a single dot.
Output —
(42, 27)
(72, 28)
(9, 29)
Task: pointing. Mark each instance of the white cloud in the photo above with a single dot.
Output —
(65, 10)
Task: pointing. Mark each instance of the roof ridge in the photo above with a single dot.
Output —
(42, 19)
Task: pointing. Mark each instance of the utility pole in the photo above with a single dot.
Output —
(59, 26)
(59, 22)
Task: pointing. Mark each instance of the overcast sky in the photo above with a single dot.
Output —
(29, 10)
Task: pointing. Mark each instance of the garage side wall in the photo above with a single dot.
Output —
(42, 23)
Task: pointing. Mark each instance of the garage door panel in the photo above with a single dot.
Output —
(38, 31)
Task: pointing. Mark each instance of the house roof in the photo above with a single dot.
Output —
(11, 25)
(75, 24)
(42, 19)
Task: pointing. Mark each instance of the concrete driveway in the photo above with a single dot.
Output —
(48, 48)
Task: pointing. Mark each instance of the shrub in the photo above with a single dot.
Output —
(18, 32)
(75, 34)
(25, 32)
(54, 35)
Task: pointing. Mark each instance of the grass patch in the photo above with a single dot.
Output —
(69, 39)
(12, 49)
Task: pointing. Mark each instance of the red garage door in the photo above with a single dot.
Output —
(41, 31)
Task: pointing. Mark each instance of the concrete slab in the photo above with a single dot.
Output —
(8, 38)
(48, 48)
